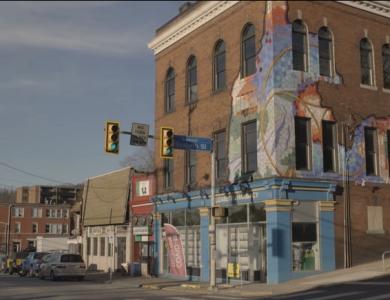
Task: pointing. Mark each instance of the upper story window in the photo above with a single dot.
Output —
(329, 146)
(18, 212)
(302, 143)
(191, 167)
(366, 62)
(192, 87)
(220, 154)
(34, 227)
(249, 145)
(18, 227)
(36, 212)
(325, 50)
(170, 91)
(299, 46)
(168, 173)
(386, 65)
(248, 50)
(219, 66)
(371, 149)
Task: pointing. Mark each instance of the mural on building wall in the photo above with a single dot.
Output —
(276, 93)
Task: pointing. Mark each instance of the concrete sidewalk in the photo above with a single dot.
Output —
(361, 272)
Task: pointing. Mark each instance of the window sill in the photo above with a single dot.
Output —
(192, 102)
(377, 232)
(169, 112)
(369, 87)
(387, 91)
(220, 91)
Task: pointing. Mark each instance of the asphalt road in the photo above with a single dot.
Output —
(15, 287)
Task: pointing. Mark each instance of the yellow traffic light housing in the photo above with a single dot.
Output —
(112, 137)
(166, 142)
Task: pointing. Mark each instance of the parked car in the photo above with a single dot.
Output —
(32, 263)
(62, 265)
(18, 259)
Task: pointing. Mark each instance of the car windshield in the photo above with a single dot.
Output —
(73, 258)
(39, 255)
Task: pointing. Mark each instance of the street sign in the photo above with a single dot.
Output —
(139, 134)
(192, 143)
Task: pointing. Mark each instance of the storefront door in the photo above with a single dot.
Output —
(121, 251)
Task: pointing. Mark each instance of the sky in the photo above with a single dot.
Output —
(66, 68)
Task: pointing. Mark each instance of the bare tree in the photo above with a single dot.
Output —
(142, 159)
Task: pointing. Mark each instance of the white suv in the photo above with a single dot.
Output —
(56, 265)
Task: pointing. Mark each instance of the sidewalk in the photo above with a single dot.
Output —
(361, 272)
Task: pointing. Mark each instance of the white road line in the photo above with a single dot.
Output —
(180, 298)
(222, 297)
(335, 296)
(298, 294)
(379, 297)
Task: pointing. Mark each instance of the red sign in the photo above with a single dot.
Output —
(175, 249)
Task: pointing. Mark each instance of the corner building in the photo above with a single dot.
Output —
(296, 97)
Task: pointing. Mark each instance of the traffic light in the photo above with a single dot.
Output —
(166, 140)
(112, 137)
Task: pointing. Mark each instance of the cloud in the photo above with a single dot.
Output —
(53, 27)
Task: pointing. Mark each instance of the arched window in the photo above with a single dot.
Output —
(170, 90)
(366, 62)
(219, 66)
(386, 65)
(248, 50)
(325, 50)
(192, 88)
(299, 46)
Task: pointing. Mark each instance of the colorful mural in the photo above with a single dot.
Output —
(276, 93)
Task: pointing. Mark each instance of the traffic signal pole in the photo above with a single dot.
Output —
(212, 227)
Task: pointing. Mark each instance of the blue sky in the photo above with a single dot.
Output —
(65, 68)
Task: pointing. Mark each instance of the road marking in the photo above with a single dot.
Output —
(335, 296)
(379, 297)
(369, 283)
(297, 295)
(180, 298)
(222, 297)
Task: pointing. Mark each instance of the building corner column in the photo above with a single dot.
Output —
(156, 268)
(327, 236)
(279, 253)
(205, 244)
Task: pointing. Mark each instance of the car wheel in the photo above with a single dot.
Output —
(52, 276)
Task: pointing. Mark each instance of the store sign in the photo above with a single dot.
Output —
(175, 249)
(144, 230)
(233, 270)
(143, 188)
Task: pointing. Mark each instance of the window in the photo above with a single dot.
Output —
(192, 88)
(325, 49)
(386, 65)
(95, 246)
(299, 46)
(302, 143)
(370, 143)
(47, 213)
(219, 66)
(65, 213)
(34, 227)
(329, 146)
(170, 91)
(248, 51)
(64, 228)
(191, 167)
(89, 246)
(18, 212)
(168, 173)
(366, 62)
(102, 246)
(17, 227)
(109, 248)
(47, 228)
(36, 212)
(220, 154)
(249, 142)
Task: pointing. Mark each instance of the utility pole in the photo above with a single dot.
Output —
(212, 229)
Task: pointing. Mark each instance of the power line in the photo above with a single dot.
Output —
(29, 173)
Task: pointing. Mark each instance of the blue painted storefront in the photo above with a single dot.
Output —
(278, 196)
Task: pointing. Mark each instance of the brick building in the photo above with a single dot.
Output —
(48, 194)
(295, 95)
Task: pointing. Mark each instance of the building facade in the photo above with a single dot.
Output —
(48, 194)
(295, 95)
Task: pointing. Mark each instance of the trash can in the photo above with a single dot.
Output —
(135, 269)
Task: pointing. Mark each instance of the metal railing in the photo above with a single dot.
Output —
(383, 259)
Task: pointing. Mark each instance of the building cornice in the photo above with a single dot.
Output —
(200, 15)
(381, 8)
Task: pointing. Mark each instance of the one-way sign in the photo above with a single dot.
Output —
(192, 143)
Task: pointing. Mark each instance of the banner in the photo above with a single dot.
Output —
(175, 249)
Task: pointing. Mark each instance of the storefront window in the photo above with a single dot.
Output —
(256, 213)
(305, 246)
(238, 214)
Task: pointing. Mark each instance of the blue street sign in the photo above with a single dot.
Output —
(192, 143)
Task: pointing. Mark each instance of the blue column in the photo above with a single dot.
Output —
(327, 236)
(279, 256)
(157, 243)
(205, 244)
